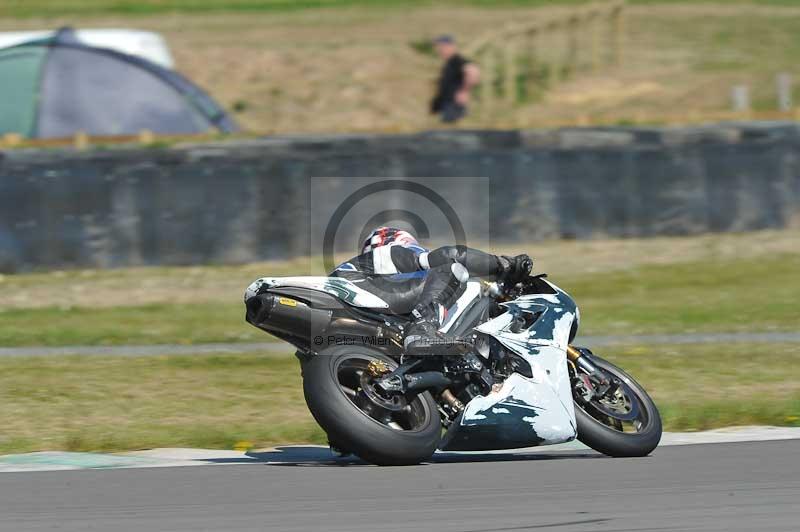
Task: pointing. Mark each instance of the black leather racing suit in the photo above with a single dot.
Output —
(395, 269)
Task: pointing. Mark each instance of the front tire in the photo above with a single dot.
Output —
(332, 388)
(607, 434)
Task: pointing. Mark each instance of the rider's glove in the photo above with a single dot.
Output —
(515, 269)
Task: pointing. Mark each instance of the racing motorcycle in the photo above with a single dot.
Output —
(510, 378)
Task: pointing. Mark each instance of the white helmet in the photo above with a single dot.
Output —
(384, 236)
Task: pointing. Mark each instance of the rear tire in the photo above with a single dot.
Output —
(351, 427)
(611, 442)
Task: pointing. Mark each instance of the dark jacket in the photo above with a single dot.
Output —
(451, 80)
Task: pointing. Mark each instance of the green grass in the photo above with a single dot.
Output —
(758, 294)
(104, 403)
(141, 325)
(38, 8)
(29, 8)
(721, 296)
(699, 387)
(120, 403)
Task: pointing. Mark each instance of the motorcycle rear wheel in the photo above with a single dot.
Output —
(332, 385)
(632, 427)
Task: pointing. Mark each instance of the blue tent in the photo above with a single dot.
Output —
(55, 87)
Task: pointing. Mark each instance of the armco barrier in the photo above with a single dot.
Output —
(247, 200)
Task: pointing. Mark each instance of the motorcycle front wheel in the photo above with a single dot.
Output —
(360, 418)
(623, 423)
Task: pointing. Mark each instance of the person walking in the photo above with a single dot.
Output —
(458, 76)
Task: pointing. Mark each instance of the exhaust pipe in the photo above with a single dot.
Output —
(284, 315)
(427, 380)
(300, 323)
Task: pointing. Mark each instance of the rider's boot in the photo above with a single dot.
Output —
(423, 336)
(441, 290)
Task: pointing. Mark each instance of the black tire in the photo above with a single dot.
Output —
(611, 442)
(351, 428)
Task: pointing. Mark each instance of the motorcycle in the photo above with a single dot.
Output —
(508, 376)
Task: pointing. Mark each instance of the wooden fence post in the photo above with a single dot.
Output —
(487, 80)
(12, 139)
(593, 36)
(80, 140)
(740, 100)
(146, 137)
(593, 21)
(573, 28)
(618, 29)
(783, 82)
(533, 61)
(510, 72)
(562, 64)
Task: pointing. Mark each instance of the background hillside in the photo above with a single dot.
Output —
(363, 66)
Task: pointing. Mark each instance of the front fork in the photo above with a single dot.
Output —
(581, 359)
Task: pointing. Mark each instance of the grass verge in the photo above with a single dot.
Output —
(29, 8)
(754, 295)
(112, 404)
(120, 403)
(723, 295)
(700, 387)
(140, 325)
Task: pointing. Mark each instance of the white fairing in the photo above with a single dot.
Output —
(544, 402)
(342, 288)
(552, 418)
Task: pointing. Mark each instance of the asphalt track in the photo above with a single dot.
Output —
(751, 486)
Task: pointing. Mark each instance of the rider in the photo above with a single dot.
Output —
(394, 257)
